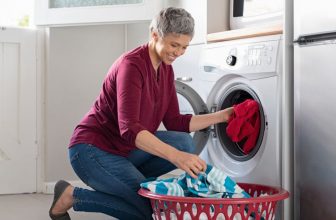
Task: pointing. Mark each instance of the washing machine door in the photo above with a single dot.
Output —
(237, 94)
(228, 91)
(190, 102)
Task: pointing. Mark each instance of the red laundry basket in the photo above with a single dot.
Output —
(183, 208)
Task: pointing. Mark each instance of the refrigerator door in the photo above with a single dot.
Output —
(315, 130)
(311, 16)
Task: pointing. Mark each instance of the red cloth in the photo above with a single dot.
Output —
(245, 123)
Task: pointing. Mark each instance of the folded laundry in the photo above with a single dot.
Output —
(244, 124)
(212, 183)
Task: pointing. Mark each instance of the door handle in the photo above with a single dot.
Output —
(184, 79)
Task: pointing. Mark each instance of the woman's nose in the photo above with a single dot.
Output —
(178, 52)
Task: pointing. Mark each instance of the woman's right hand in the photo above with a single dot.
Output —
(190, 163)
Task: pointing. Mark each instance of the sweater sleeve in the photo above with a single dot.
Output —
(173, 120)
(129, 83)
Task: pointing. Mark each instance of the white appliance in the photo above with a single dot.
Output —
(248, 13)
(234, 71)
(314, 109)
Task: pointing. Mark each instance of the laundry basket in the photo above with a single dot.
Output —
(261, 205)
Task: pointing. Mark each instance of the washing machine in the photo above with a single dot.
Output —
(232, 72)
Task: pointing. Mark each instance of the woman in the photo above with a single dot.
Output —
(117, 146)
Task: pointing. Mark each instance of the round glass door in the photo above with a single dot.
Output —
(233, 96)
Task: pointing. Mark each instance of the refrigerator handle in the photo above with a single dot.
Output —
(313, 38)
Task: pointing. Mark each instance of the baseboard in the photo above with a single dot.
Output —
(48, 187)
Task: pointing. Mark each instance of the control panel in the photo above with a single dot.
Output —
(242, 58)
(260, 54)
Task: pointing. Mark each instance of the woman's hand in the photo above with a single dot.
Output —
(190, 163)
(199, 122)
(226, 114)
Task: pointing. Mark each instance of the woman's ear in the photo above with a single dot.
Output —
(154, 35)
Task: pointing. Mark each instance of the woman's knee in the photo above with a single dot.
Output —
(180, 140)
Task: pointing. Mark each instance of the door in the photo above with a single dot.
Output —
(191, 103)
(311, 16)
(18, 124)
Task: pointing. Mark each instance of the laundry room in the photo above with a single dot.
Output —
(159, 95)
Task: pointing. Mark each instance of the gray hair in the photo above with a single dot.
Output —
(173, 20)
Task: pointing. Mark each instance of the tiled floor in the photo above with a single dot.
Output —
(36, 206)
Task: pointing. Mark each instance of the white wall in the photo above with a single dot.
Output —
(78, 60)
(136, 34)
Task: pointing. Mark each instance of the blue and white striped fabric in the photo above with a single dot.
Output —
(212, 183)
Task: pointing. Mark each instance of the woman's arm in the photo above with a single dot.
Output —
(190, 163)
(199, 122)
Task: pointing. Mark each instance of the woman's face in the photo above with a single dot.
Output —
(170, 47)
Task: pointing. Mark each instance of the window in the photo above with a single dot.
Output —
(85, 3)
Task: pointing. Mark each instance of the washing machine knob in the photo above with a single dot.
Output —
(231, 60)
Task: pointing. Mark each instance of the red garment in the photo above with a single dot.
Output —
(132, 99)
(245, 123)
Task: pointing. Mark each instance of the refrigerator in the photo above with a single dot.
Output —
(314, 109)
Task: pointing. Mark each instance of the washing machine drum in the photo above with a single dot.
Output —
(233, 96)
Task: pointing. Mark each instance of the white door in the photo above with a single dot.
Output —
(18, 124)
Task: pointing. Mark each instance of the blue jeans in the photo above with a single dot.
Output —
(115, 180)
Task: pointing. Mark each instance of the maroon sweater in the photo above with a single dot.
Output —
(132, 99)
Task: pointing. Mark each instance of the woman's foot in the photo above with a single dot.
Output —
(62, 202)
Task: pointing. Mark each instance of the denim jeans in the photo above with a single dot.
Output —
(115, 180)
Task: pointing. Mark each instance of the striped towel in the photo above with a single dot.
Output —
(212, 183)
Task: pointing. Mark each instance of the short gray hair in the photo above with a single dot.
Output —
(173, 20)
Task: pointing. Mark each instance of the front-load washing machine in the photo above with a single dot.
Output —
(219, 75)
(232, 72)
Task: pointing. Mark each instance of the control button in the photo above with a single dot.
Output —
(231, 60)
(270, 48)
(269, 60)
(257, 52)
